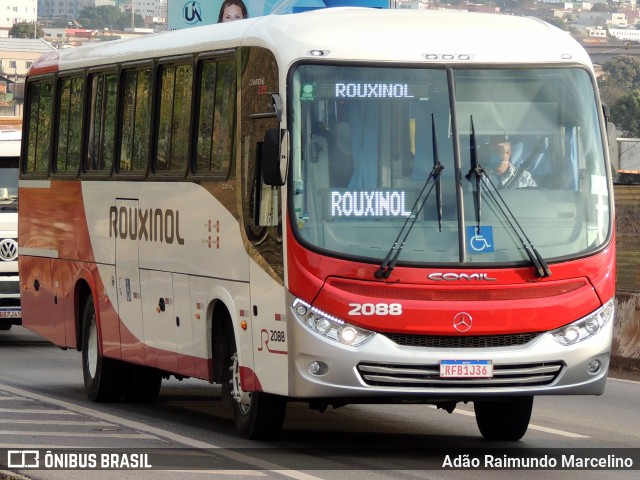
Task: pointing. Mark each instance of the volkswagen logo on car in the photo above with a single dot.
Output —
(8, 249)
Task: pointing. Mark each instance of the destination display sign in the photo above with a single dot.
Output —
(382, 203)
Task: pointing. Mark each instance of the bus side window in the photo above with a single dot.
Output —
(216, 117)
(175, 118)
(102, 122)
(136, 121)
(69, 134)
(39, 111)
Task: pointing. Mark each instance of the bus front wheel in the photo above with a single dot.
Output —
(504, 420)
(100, 374)
(258, 415)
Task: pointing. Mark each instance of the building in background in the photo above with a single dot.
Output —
(16, 57)
(72, 8)
(69, 8)
(16, 11)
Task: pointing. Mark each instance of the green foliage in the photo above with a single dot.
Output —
(620, 88)
(622, 71)
(26, 30)
(107, 16)
(625, 113)
(601, 7)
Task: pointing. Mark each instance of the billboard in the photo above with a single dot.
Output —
(192, 13)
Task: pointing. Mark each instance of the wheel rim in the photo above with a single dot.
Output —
(236, 389)
(92, 347)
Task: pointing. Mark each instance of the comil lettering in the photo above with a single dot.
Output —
(368, 204)
(149, 225)
(372, 90)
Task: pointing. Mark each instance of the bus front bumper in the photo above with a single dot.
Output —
(382, 370)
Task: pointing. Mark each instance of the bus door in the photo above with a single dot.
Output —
(269, 358)
(128, 284)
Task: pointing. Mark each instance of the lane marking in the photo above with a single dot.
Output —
(78, 434)
(623, 380)
(107, 417)
(60, 422)
(32, 411)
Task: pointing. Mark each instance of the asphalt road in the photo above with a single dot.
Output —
(190, 431)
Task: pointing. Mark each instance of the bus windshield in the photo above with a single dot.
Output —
(521, 152)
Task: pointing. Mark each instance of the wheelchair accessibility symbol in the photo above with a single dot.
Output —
(480, 240)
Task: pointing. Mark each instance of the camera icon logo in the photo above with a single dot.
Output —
(23, 459)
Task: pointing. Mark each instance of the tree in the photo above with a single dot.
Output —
(601, 7)
(625, 113)
(621, 75)
(26, 30)
(107, 16)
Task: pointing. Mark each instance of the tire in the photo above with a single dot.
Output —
(6, 326)
(142, 384)
(101, 375)
(504, 420)
(258, 415)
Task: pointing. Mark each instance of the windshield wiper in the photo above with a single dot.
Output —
(437, 164)
(477, 171)
(542, 269)
(389, 263)
(541, 266)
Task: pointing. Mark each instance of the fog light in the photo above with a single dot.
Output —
(318, 368)
(594, 367)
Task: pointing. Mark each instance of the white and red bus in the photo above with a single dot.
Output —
(306, 208)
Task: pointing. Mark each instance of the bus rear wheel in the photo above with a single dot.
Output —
(504, 420)
(101, 374)
(258, 415)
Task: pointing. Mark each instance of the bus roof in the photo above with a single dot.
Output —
(419, 36)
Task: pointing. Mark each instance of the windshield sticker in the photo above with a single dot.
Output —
(599, 185)
(308, 92)
(480, 240)
(372, 203)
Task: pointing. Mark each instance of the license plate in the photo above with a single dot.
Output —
(466, 369)
(11, 313)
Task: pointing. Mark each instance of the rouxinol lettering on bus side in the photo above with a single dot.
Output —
(150, 225)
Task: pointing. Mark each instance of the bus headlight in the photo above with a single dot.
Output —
(586, 327)
(329, 326)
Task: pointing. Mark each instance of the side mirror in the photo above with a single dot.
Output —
(275, 157)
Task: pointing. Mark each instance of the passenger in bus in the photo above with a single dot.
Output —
(501, 171)
(232, 10)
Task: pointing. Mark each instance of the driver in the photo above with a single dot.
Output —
(502, 173)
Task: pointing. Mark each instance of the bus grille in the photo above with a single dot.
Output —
(428, 376)
(10, 287)
(449, 341)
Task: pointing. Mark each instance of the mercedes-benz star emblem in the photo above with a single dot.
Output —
(462, 322)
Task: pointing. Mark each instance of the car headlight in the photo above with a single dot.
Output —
(586, 327)
(329, 326)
